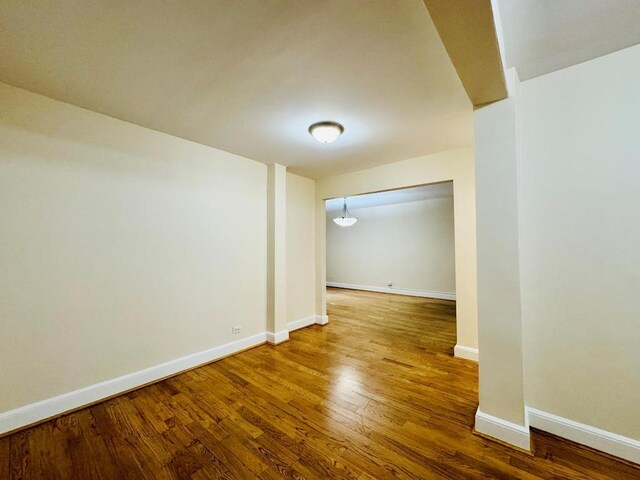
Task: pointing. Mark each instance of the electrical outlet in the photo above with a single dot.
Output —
(237, 329)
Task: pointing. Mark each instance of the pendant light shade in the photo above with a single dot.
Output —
(345, 219)
(326, 132)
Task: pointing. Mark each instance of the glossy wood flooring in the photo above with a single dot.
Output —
(375, 394)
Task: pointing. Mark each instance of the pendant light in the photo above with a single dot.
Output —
(345, 220)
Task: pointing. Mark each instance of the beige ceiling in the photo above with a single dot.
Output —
(249, 76)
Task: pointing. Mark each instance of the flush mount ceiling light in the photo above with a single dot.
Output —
(326, 132)
(345, 220)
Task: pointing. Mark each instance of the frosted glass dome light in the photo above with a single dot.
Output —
(326, 132)
(345, 220)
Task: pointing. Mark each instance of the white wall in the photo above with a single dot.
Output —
(456, 165)
(120, 247)
(410, 244)
(580, 241)
(300, 247)
(566, 195)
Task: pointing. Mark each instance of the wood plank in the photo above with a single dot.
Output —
(375, 393)
(5, 452)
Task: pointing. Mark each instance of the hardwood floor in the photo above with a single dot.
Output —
(375, 394)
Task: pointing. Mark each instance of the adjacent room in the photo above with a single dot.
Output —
(259, 239)
(401, 241)
(397, 242)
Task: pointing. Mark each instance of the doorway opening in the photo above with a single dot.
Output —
(394, 268)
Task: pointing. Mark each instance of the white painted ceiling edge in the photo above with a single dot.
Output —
(414, 194)
(541, 37)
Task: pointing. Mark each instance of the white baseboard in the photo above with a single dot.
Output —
(303, 322)
(508, 432)
(306, 321)
(36, 412)
(519, 436)
(275, 338)
(611, 443)
(397, 291)
(465, 352)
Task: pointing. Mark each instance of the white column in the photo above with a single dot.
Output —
(321, 263)
(277, 331)
(501, 383)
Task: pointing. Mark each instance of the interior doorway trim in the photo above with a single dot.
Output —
(455, 165)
